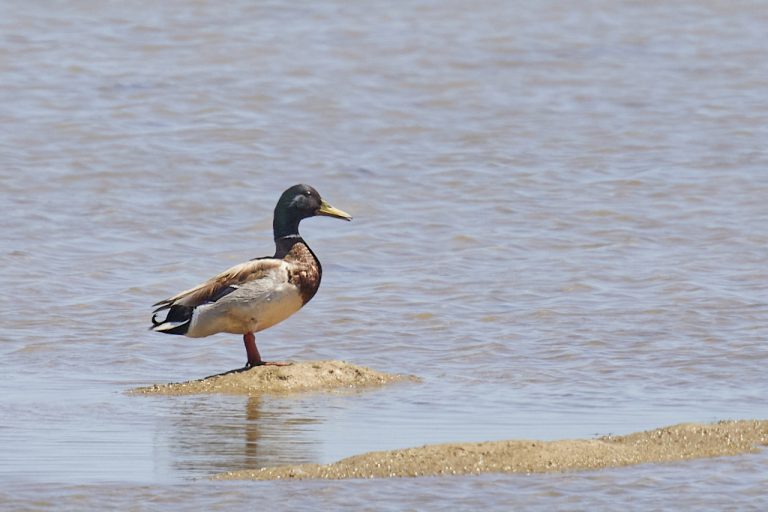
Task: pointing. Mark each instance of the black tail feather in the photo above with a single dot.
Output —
(177, 314)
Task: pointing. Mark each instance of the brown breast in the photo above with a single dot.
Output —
(305, 272)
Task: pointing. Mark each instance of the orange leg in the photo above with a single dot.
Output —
(254, 358)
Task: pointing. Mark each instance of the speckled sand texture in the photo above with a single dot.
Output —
(678, 442)
(303, 376)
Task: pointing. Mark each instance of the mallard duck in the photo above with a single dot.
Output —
(259, 293)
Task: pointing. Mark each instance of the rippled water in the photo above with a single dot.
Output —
(560, 225)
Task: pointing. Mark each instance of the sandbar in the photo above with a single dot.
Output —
(668, 444)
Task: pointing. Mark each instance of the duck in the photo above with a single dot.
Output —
(255, 295)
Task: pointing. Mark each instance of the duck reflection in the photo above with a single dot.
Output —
(212, 434)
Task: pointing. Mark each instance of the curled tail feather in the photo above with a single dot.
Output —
(177, 320)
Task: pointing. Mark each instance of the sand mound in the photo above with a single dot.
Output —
(678, 442)
(304, 376)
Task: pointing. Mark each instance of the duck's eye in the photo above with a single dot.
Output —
(307, 193)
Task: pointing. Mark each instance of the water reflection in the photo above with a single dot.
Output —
(210, 434)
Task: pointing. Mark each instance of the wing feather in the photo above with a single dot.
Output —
(223, 284)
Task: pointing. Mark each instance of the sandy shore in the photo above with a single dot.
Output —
(300, 376)
(675, 443)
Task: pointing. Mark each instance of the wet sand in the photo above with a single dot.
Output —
(296, 377)
(674, 443)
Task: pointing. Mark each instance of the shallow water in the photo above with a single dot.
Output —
(560, 225)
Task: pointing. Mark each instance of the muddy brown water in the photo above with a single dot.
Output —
(561, 226)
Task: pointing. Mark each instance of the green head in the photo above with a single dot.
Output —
(300, 202)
